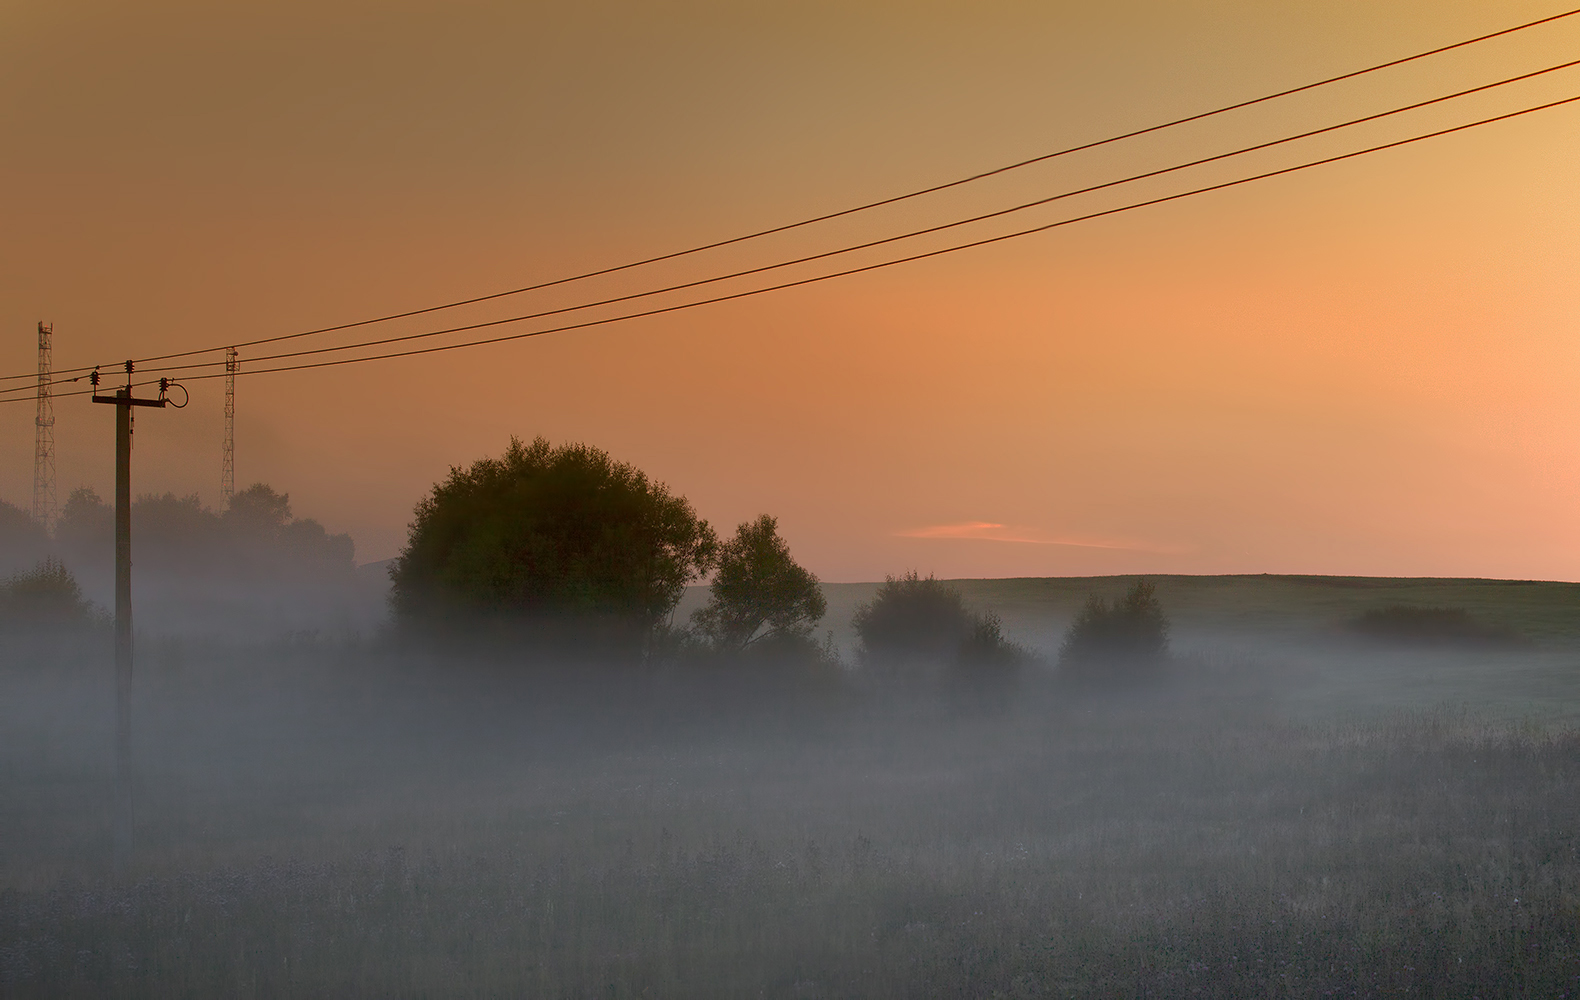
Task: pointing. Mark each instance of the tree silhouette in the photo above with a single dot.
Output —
(1112, 640)
(912, 618)
(759, 593)
(559, 536)
(46, 599)
(23, 540)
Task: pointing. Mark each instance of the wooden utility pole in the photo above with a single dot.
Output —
(123, 401)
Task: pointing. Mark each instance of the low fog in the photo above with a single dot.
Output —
(1312, 786)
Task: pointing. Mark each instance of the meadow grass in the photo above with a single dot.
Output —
(365, 822)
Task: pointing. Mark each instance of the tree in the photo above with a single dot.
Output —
(85, 531)
(759, 592)
(557, 535)
(985, 652)
(259, 511)
(916, 620)
(1131, 633)
(912, 618)
(23, 541)
(179, 535)
(254, 538)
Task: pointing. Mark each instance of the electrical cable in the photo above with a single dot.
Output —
(903, 236)
(879, 203)
(889, 263)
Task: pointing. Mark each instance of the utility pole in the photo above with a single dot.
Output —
(227, 467)
(44, 434)
(123, 401)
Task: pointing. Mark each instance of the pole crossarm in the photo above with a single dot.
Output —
(120, 400)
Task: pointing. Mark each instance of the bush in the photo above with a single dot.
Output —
(912, 618)
(1449, 626)
(565, 541)
(985, 650)
(45, 599)
(1116, 639)
(921, 620)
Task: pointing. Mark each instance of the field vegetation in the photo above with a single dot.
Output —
(367, 821)
(755, 784)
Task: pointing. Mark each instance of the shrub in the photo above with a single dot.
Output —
(1403, 623)
(46, 598)
(985, 650)
(1115, 639)
(912, 618)
(921, 620)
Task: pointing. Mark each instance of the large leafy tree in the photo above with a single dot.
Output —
(759, 592)
(553, 534)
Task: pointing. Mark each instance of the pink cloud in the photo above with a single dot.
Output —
(988, 531)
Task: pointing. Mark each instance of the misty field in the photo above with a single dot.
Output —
(1289, 811)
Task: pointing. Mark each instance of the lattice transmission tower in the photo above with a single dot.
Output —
(44, 433)
(227, 466)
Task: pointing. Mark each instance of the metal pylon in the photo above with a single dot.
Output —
(44, 497)
(227, 468)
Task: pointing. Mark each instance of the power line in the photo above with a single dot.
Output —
(903, 236)
(914, 233)
(873, 204)
(889, 263)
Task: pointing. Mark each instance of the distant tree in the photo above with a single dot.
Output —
(985, 651)
(759, 594)
(1112, 640)
(1401, 623)
(85, 530)
(258, 511)
(23, 541)
(555, 535)
(260, 517)
(255, 537)
(179, 534)
(45, 599)
(912, 618)
(305, 541)
(986, 667)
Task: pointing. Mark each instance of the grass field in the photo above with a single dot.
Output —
(1293, 628)
(1290, 812)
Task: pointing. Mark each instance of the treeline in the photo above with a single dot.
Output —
(547, 554)
(564, 553)
(255, 535)
(250, 564)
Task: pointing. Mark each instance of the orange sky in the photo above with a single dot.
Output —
(1367, 368)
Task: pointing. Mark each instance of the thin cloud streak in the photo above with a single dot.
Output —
(988, 531)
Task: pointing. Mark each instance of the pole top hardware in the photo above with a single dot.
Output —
(124, 397)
